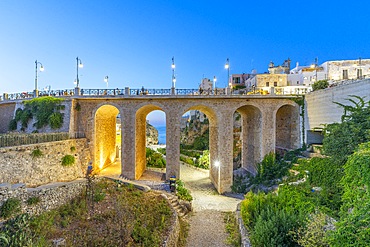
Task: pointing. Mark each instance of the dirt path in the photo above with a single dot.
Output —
(207, 227)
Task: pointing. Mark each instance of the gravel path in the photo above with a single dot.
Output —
(207, 227)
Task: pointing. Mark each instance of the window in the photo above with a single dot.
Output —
(297, 82)
(359, 73)
(236, 80)
(275, 84)
(267, 84)
(345, 74)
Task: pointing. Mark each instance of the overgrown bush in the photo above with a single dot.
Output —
(68, 160)
(10, 207)
(353, 226)
(341, 139)
(45, 110)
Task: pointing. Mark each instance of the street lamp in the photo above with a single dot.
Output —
(41, 69)
(227, 66)
(79, 65)
(106, 80)
(173, 72)
(214, 84)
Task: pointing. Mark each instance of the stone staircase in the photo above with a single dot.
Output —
(182, 208)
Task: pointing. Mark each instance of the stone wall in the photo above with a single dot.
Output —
(6, 113)
(320, 108)
(10, 111)
(18, 166)
(51, 196)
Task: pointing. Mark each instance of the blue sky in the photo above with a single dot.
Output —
(133, 41)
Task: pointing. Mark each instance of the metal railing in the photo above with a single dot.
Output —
(9, 140)
(167, 92)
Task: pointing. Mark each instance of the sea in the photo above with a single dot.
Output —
(161, 134)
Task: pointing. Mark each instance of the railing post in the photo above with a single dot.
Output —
(35, 93)
(173, 92)
(127, 91)
(272, 90)
(228, 90)
(77, 91)
(5, 96)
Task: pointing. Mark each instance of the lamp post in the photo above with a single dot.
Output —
(36, 93)
(173, 75)
(106, 80)
(79, 65)
(214, 84)
(227, 66)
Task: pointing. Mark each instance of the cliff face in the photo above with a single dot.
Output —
(151, 135)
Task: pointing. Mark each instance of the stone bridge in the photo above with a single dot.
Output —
(268, 122)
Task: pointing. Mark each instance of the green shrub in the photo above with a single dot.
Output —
(68, 160)
(10, 207)
(56, 120)
(269, 169)
(321, 84)
(36, 153)
(73, 148)
(272, 228)
(203, 161)
(182, 192)
(33, 200)
(154, 159)
(13, 125)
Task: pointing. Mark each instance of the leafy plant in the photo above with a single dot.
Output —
(78, 107)
(154, 159)
(73, 148)
(10, 207)
(36, 153)
(16, 232)
(68, 160)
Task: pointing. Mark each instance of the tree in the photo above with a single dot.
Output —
(322, 84)
(341, 139)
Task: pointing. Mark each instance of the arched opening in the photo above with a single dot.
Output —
(287, 128)
(248, 137)
(199, 145)
(107, 142)
(141, 139)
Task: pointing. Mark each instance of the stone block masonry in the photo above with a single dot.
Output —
(18, 166)
(51, 196)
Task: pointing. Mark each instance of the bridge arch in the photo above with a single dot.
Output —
(104, 138)
(250, 136)
(287, 127)
(212, 117)
(140, 136)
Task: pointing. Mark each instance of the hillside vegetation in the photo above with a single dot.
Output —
(321, 201)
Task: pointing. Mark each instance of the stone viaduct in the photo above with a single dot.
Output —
(267, 122)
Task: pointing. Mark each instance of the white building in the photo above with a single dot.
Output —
(347, 69)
